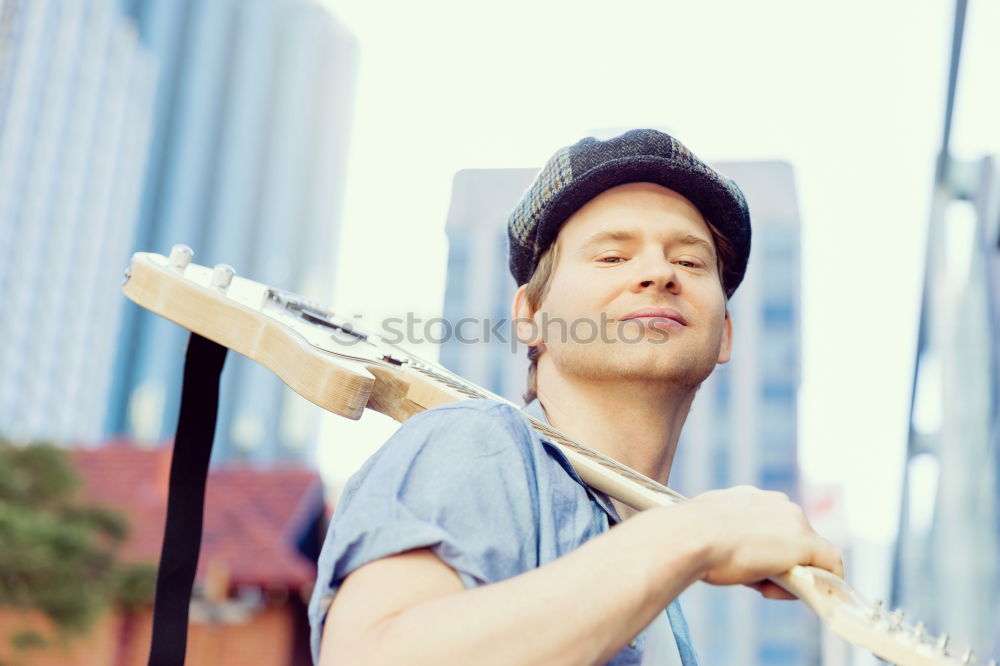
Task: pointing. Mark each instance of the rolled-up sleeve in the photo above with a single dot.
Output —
(460, 479)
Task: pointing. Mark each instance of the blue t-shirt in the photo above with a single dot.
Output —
(475, 483)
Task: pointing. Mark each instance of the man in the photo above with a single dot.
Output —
(467, 539)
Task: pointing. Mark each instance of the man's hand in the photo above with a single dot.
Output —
(753, 534)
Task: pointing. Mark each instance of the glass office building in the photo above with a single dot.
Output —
(134, 125)
(247, 166)
(77, 89)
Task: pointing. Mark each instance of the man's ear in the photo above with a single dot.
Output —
(726, 348)
(523, 317)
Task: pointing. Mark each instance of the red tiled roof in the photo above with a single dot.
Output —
(251, 515)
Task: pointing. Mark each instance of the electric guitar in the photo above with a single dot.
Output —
(344, 369)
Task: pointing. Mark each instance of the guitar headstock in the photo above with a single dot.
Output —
(889, 635)
(328, 359)
(318, 325)
(327, 364)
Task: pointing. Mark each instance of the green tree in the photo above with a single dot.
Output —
(58, 553)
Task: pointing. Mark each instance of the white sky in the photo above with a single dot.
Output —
(851, 93)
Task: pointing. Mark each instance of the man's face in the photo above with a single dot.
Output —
(634, 248)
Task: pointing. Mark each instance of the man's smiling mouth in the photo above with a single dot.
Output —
(659, 318)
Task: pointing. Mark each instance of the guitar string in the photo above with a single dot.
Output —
(555, 435)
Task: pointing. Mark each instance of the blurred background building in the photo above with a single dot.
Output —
(136, 125)
(247, 166)
(479, 284)
(77, 89)
(947, 555)
(743, 427)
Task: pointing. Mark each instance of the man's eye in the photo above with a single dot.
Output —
(686, 262)
(611, 260)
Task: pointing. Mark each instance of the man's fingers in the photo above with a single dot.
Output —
(771, 590)
(827, 556)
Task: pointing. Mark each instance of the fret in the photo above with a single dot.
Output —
(609, 463)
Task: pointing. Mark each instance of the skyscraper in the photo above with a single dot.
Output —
(479, 285)
(76, 95)
(248, 164)
(743, 426)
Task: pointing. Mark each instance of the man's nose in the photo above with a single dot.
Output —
(657, 273)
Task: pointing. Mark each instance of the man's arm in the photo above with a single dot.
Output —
(582, 608)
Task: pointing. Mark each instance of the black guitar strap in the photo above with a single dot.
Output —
(186, 500)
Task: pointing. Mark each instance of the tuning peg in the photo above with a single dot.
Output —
(895, 619)
(919, 631)
(967, 656)
(876, 610)
(222, 276)
(180, 256)
(942, 643)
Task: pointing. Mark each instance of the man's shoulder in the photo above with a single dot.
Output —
(491, 423)
(481, 417)
(468, 443)
(488, 407)
(457, 453)
(456, 435)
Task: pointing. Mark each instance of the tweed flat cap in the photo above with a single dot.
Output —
(578, 173)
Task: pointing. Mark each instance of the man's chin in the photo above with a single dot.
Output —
(649, 363)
